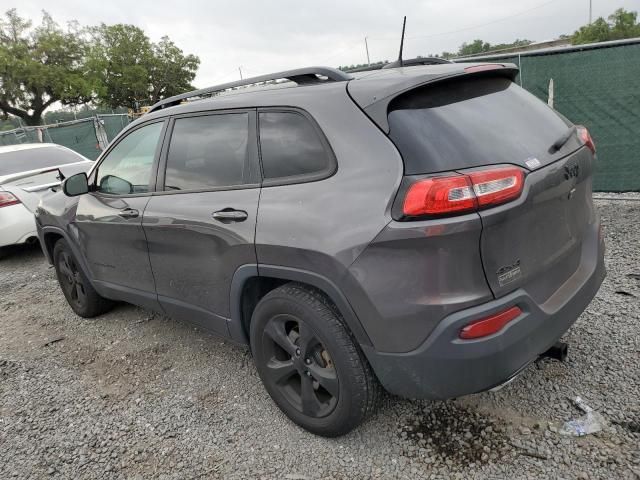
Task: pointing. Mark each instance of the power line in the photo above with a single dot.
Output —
(471, 27)
(498, 20)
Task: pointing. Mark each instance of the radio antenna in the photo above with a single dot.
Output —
(404, 24)
(399, 62)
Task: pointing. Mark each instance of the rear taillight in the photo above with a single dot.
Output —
(489, 325)
(586, 138)
(463, 192)
(7, 199)
(439, 195)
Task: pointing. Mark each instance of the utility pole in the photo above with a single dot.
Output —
(366, 46)
(240, 70)
(590, 10)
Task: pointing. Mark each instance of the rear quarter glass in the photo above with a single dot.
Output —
(473, 121)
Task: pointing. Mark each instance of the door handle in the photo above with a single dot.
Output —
(129, 213)
(230, 215)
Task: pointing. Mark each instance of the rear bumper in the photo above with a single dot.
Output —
(445, 366)
(17, 224)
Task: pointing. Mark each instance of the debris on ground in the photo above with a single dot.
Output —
(590, 423)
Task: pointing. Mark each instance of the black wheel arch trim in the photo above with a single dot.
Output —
(65, 235)
(245, 272)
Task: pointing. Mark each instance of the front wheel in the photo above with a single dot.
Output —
(77, 289)
(309, 362)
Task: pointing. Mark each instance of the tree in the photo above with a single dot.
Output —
(480, 46)
(40, 66)
(477, 46)
(119, 61)
(597, 31)
(624, 24)
(132, 71)
(515, 44)
(621, 24)
(171, 71)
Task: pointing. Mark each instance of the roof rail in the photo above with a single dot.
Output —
(301, 76)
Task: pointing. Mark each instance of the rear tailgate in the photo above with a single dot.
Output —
(473, 122)
(537, 242)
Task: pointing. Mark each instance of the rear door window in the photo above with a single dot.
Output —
(209, 151)
(472, 122)
(292, 147)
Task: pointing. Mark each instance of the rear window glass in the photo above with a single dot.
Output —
(291, 146)
(208, 152)
(36, 158)
(471, 122)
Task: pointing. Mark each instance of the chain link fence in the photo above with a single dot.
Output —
(596, 85)
(87, 136)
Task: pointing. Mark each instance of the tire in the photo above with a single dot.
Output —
(309, 362)
(77, 289)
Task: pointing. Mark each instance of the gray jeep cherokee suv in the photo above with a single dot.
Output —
(427, 229)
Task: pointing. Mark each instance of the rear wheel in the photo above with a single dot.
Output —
(77, 289)
(309, 362)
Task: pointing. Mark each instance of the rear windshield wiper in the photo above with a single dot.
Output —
(564, 138)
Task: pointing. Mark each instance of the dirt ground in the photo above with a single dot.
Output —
(133, 394)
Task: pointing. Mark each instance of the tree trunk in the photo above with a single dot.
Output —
(33, 120)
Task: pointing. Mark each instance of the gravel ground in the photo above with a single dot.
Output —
(137, 395)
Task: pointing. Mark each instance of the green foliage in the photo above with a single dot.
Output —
(621, 24)
(119, 60)
(171, 71)
(132, 71)
(40, 66)
(479, 46)
(115, 65)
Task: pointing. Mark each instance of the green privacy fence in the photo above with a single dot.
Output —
(598, 86)
(88, 136)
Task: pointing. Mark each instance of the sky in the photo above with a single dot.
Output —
(262, 37)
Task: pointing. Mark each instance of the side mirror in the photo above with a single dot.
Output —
(115, 185)
(75, 185)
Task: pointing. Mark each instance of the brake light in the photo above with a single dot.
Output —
(483, 68)
(463, 192)
(586, 138)
(439, 195)
(8, 199)
(496, 186)
(490, 325)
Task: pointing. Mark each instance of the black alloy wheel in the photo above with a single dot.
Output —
(300, 366)
(71, 280)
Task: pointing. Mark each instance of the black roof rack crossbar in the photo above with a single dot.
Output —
(301, 76)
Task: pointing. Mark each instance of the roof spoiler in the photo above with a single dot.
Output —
(376, 107)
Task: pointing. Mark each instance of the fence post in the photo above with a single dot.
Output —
(101, 133)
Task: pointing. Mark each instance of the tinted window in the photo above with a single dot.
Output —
(290, 146)
(36, 158)
(471, 122)
(208, 151)
(127, 168)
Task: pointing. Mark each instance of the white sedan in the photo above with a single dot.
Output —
(27, 172)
